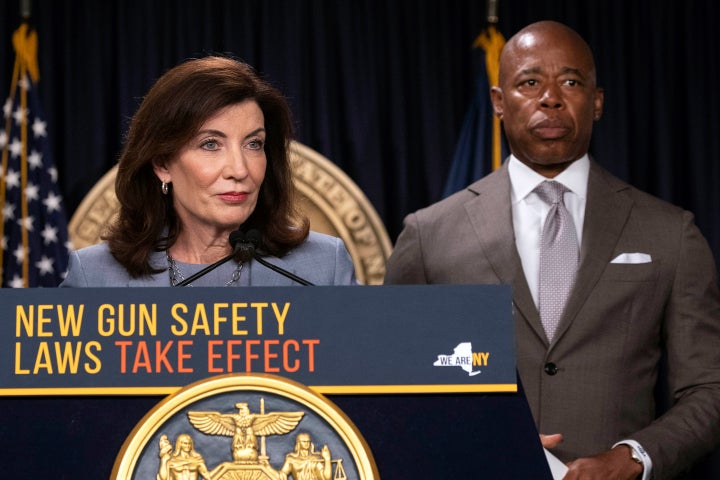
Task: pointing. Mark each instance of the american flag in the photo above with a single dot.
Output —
(33, 230)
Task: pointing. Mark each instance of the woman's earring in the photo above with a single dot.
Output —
(164, 188)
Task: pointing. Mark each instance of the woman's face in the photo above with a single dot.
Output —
(216, 177)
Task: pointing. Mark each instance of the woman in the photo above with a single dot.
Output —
(206, 153)
(304, 463)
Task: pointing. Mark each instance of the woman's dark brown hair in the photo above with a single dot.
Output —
(170, 115)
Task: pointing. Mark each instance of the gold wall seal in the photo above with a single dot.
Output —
(331, 200)
(245, 427)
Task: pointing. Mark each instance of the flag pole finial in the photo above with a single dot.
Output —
(25, 9)
(492, 11)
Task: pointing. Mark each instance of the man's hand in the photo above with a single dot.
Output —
(615, 464)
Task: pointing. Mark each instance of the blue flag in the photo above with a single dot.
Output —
(33, 230)
(479, 148)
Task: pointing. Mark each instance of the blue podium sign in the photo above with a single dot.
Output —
(337, 340)
(426, 373)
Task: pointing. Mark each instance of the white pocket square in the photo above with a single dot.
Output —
(632, 258)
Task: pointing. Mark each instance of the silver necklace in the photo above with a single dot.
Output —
(176, 275)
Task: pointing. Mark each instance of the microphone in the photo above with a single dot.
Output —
(240, 242)
(250, 243)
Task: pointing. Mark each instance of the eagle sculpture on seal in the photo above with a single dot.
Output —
(244, 426)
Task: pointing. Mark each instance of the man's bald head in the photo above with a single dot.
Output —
(544, 34)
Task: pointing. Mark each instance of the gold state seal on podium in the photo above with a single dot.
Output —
(245, 427)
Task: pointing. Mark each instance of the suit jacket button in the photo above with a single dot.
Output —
(551, 368)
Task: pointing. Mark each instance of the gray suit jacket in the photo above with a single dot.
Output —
(321, 259)
(594, 383)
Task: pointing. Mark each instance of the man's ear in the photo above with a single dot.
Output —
(496, 97)
(598, 103)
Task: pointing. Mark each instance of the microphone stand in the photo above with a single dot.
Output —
(205, 270)
(249, 242)
(281, 271)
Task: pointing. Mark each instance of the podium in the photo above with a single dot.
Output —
(425, 373)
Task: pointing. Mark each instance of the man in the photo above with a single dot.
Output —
(636, 278)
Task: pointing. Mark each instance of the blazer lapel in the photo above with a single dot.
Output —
(606, 212)
(490, 214)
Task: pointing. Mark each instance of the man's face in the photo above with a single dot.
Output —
(547, 99)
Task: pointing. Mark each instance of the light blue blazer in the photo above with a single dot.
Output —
(321, 259)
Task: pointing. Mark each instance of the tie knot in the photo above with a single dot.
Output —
(551, 192)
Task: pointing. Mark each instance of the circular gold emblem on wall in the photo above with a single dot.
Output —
(245, 427)
(331, 200)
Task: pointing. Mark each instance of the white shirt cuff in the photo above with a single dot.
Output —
(640, 451)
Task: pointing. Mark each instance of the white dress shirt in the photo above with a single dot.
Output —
(529, 211)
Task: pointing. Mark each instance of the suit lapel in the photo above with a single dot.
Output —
(490, 214)
(606, 213)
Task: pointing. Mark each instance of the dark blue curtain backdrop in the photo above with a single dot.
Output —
(381, 88)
